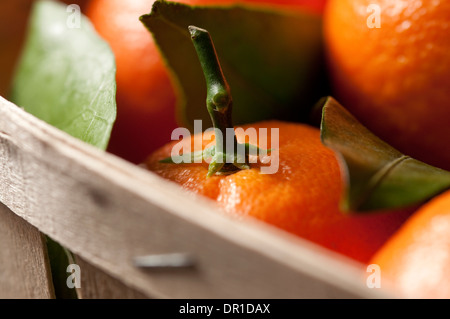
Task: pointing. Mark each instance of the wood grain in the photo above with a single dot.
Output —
(24, 265)
(96, 284)
(109, 211)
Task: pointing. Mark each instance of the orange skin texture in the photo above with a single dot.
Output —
(394, 79)
(302, 197)
(416, 260)
(146, 97)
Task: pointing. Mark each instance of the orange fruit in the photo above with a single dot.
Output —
(302, 197)
(416, 260)
(394, 79)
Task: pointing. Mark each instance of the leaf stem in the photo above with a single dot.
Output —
(218, 100)
(225, 154)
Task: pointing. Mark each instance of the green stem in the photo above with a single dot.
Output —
(218, 99)
(218, 102)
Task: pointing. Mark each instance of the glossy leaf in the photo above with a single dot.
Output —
(66, 75)
(377, 176)
(272, 60)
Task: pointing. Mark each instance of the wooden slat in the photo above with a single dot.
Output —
(96, 284)
(24, 268)
(109, 211)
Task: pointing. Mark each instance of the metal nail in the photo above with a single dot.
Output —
(173, 260)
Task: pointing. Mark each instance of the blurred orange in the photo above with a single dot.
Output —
(394, 79)
(145, 96)
(416, 260)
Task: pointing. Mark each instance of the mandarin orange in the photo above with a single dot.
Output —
(301, 197)
(416, 260)
(389, 65)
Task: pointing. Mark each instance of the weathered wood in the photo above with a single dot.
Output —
(24, 268)
(96, 284)
(109, 211)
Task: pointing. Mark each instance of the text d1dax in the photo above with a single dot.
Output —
(245, 308)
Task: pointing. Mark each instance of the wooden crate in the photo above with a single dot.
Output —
(108, 212)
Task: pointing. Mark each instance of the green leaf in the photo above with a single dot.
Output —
(66, 75)
(271, 60)
(377, 176)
